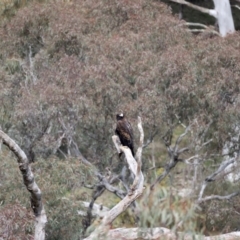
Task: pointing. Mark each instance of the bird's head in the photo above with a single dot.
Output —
(120, 116)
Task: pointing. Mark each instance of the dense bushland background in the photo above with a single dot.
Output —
(66, 69)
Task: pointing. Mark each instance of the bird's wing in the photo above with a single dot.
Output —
(124, 130)
(130, 130)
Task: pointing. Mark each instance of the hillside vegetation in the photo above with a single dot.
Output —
(67, 68)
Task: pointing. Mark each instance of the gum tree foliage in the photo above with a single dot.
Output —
(67, 68)
(71, 75)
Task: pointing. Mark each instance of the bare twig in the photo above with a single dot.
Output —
(214, 176)
(218, 197)
(149, 141)
(162, 233)
(174, 154)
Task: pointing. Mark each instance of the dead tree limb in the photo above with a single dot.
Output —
(210, 12)
(98, 210)
(236, 6)
(222, 13)
(174, 154)
(87, 221)
(218, 197)
(200, 28)
(102, 229)
(162, 233)
(31, 185)
(218, 174)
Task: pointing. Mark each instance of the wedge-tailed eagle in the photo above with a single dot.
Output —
(125, 132)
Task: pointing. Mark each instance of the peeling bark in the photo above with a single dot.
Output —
(224, 17)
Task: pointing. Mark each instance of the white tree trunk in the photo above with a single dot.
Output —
(224, 17)
(31, 185)
(222, 12)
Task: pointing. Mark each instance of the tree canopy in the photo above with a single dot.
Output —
(67, 68)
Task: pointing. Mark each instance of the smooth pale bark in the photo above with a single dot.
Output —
(162, 233)
(222, 12)
(135, 191)
(31, 185)
(211, 12)
(224, 17)
(97, 210)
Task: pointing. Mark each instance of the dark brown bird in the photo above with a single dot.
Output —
(125, 132)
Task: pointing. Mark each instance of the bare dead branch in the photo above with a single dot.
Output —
(58, 143)
(104, 182)
(205, 28)
(174, 154)
(97, 209)
(88, 186)
(117, 143)
(222, 167)
(196, 25)
(149, 141)
(197, 30)
(78, 152)
(161, 233)
(236, 6)
(179, 139)
(210, 12)
(188, 160)
(99, 188)
(31, 185)
(132, 196)
(162, 176)
(213, 177)
(218, 197)
(98, 191)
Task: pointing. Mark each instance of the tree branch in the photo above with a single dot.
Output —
(161, 233)
(214, 176)
(210, 12)
(218, 197)
(32, 187)
(98, 210)
(174, 154)
(206, 28)
(236, 6)
(102, 229)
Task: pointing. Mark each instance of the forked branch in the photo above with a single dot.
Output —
(135, 192)
(174, 155)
